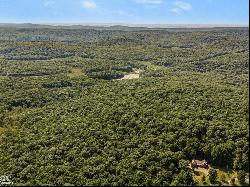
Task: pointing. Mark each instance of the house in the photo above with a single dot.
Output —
(200, 163)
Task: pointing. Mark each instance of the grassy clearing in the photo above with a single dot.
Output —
(75, 72)
(153, 67)
(201, 179)
(224, 176)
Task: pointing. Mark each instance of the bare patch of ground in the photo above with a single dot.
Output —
(199, 169)
(134, 75)
(131, 76)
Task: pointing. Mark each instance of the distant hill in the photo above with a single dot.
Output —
(126, 27)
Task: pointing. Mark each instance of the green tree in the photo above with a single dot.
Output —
(242, 177)
(203, 178)
(184, 178)
(183, 164)
(223, 177)
(212, 175)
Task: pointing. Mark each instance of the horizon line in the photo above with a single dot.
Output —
(163, 25)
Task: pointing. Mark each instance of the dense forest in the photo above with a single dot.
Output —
(67, 116)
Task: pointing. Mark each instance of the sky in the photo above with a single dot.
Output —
(125, 11)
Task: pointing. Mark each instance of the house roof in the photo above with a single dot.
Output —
(200, 162)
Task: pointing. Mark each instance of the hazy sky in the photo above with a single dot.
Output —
(126, 11)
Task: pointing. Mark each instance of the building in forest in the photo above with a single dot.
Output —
(200, 163)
